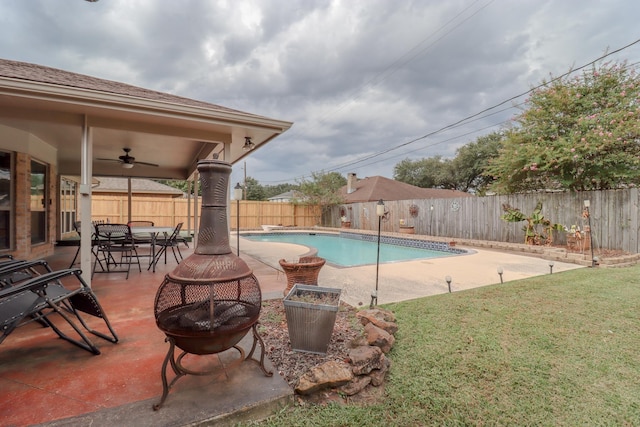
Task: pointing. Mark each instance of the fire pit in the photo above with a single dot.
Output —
(210, 301)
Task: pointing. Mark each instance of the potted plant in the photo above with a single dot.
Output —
(345, 223)
(405, 228)
(311, 314)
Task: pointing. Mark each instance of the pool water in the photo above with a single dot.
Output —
(347, 252)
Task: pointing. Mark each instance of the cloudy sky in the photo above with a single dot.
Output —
(367, 83)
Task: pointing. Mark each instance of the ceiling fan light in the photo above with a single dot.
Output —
(248, 144)
(127, 165)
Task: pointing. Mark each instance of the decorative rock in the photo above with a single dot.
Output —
(367, 364)
(365, 358)
(379, 337)
(329, 374)
(356, 385)
(378, 375)
(383, 319)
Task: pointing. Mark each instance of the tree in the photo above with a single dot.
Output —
(465, 172)
(426, 173)
(254, 191)
(469, 165)
(322, 190)
(580, 133)
(274, 190)
(181, 185)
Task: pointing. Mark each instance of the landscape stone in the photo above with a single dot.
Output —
(379, 337)
(365, 358)
(328, 375)
(356, 385)
(378, 375)
(383, 319)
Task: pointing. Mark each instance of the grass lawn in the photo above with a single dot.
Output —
(561, 349)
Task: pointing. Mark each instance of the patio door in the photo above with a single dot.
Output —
(68, 205)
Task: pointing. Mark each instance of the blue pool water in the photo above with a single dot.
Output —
(348, 252)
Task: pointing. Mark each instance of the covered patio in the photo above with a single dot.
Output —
(46, 380)
(59, 130)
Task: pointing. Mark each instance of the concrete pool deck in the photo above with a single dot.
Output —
(399, 281)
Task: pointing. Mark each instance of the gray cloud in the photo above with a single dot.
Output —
(356, 77)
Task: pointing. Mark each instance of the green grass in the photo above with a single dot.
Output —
(561, 349)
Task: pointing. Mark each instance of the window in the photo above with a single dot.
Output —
(6, 200)
(68, 205)
(39, 205)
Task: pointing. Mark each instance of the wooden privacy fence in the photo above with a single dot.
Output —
(613, 215)
(615, 222)
(165, 211)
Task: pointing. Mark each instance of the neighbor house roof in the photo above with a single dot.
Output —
(138, 186)
(378, 187)
(286, 196)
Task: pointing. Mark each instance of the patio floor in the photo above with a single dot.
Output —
(46, 380)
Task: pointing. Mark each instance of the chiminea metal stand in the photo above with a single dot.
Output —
(211, 300)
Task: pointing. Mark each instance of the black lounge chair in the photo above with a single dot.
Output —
(39, 297)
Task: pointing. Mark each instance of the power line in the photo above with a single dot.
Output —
(467, 119)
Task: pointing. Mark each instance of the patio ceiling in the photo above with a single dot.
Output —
(170, 131)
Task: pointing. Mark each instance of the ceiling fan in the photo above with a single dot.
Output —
(128, 161)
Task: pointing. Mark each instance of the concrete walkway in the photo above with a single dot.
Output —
(412, 279)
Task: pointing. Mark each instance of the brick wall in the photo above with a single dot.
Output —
(22, 237)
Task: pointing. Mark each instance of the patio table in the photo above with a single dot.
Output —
(153, 232)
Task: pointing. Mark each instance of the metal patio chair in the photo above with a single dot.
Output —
(114, 239)
(172, 242)
(37, 298)
(141, 238)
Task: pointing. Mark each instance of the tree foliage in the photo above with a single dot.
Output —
(254, 191)
(579, 133)
(426, 173)
(322, 189)
(274, 190)
(465, 172)
(469, 165)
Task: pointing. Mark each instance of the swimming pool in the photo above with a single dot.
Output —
(352, 249)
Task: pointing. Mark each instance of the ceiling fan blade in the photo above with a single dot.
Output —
(109, 160)
(147, 164)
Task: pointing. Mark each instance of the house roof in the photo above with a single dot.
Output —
(286, 195)
(378, 187)
(138, 186)
(38, 73)
(57, 107)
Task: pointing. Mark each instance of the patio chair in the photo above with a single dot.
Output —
(169, 242)
(114, 239)
(37, 298)
(141, 238)
(182, 239)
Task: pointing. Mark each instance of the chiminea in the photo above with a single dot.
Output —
(209, 302)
